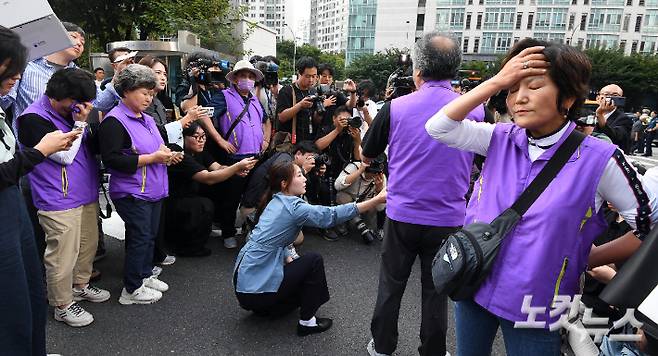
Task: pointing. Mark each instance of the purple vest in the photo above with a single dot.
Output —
(247, 136)
(547, 251)
(56, 186)
(428, 180)
(150, 181)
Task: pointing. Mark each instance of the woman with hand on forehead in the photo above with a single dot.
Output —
(544, 255)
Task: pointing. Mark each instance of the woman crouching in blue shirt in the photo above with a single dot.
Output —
(267, 280)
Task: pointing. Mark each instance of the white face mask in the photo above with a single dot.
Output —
(325, 88)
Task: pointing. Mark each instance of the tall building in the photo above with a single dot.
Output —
(328, 24)
(303, 31)
(271, 13)
(492, 26)
(488, 28)
(361, 28)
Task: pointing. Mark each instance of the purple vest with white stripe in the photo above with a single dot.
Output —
(545, 254)
(150, 181)
(56, 186)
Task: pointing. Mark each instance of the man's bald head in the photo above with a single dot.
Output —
(437, 56)
(611, 90)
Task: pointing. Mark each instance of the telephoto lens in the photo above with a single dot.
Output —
(366, 234)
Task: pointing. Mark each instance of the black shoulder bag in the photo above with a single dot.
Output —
(465, 258)
(236, 121)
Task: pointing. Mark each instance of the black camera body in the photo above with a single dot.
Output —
(270, 72)
(207, 76)
(318, 103)
(355, 122)
(377, 164)
(321, 159)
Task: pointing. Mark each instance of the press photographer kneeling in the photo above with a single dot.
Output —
(358, 182)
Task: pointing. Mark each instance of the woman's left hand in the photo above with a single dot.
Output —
(530, 61)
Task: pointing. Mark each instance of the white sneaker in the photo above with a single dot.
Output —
(91, 294)
(154, 283)
(371, 349)
(169, 260)
(74, 315)
(231, 242)
(141, 295)
(157, 270)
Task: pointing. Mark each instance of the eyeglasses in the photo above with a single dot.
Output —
(199, 138)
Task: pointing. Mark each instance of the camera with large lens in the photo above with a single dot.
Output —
(207, 76)
(318, 103)
(366, 234)
(270, 72)
(355, 122)
(401, 80)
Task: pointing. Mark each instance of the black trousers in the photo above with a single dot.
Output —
(39, 235)
(160, 248)
(402, 243)
(648, 142)
(226, 196)
(188, 223)
(304, 286)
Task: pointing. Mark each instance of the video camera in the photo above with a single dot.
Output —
(270, 72)
(401, 79)
(207, 76)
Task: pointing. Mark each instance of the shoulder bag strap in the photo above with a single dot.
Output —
(237, 120)
(548, 173)
(293, 139)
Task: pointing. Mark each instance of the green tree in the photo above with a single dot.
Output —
(122, 20)
(376, 67)
(637, 74)
(285, 52)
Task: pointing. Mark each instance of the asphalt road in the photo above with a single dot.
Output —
(199, 315)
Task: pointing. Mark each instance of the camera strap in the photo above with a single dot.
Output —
(237, 120)
(293, 139)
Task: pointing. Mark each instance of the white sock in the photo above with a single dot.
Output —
(309, 322)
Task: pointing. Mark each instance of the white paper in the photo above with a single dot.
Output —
(649, 306)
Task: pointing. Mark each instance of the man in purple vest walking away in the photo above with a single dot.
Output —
(426, 202)
(65, 192)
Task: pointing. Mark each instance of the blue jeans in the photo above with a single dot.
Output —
(142, 219)
(22, 296)
(477, 327)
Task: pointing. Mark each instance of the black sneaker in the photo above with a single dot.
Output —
(329, 234)
(323, 324)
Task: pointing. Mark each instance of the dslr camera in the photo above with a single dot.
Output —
(207, 76)
(355, 122)
(318, 103)
(270, 72)
(401, 79)
(321, 159)
(377, 165)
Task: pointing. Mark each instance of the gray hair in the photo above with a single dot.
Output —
(133, 77)
(437, 56)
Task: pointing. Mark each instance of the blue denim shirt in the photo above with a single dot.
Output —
(260, 262)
